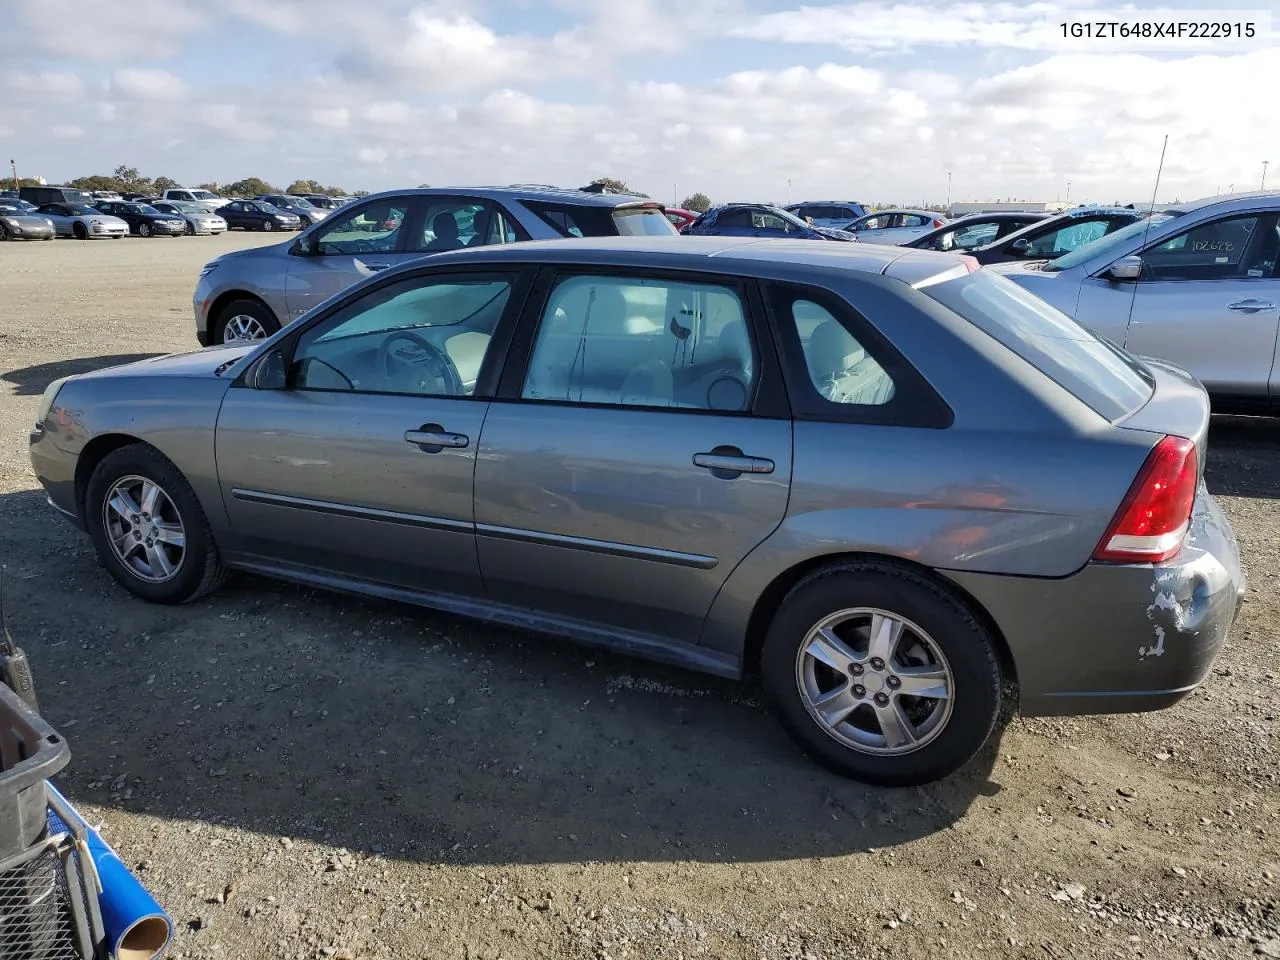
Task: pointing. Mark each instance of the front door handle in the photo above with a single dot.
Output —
(731, 460)
(1251, 306)
(435, 437)
(375, 267)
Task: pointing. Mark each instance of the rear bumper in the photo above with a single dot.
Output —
(1119, 638)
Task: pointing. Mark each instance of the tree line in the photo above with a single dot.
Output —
(126, 179)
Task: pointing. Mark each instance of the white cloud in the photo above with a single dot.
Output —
(45, 85)
(94, 30)
(145, 84)
(375, 156)
(337, 117)
(66, 131)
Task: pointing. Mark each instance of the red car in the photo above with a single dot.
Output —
(681, 217)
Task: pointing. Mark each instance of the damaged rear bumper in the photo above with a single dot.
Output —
(1119, 638)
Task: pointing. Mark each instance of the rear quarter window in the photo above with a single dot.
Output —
(1093, 370)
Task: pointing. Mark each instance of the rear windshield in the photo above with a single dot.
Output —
(1092, 369)
(583, 220)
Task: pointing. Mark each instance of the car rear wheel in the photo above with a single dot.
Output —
(881, 674)
(144, 229)
(149, 528)
(4, 233)
(244, 321)
(80, 232)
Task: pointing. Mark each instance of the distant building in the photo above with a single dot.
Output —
(966, 207)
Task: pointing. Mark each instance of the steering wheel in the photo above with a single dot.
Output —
(436, 373)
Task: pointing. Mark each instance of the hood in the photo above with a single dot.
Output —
(833, 234)
(198, 363)
(26, 219)
(272, 250)
(1015, 268)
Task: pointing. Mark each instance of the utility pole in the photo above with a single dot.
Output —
(14, 167)
(1067, 198)
(1264, 175)
(788, 191)
(948, 191)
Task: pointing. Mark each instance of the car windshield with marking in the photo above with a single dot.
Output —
(1107, 242)
(1092, 369)
(586, 220)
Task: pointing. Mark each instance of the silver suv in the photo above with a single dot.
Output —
(250, 294)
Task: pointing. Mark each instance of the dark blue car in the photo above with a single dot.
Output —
(759, 220)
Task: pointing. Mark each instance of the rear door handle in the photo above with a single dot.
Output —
(434, 435)
(375, 267)
(1251, 306)
(718, 462)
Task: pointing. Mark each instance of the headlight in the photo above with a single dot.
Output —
(96, 223)
(50, 395)
(285, 219)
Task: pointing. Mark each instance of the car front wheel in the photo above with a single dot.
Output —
(244, 321)
(881, 674)
(144, 230)
(149, 528)
(268, 225)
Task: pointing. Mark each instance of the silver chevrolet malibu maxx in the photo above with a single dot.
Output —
(910, 494)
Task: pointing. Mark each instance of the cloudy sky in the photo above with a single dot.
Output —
(867, 101)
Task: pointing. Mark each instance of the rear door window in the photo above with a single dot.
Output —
(1093, 370)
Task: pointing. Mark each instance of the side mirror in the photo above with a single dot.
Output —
(1126, 268)
(1021, 246)
(269, 372)
(304, 246)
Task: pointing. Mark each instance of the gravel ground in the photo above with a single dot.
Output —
(301, 775)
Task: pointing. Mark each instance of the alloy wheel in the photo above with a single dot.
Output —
(243, 328)
(144, 529)
(874, 681)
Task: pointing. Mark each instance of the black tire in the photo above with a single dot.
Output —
(253, 308)
(80, 231)
(969, 651)
(200, 570)
(144, 229)
(191, 230)
(268, 226)
(4, 233)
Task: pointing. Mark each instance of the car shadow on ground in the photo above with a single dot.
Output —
(393, 730)
(1243, 457)
(31, 381)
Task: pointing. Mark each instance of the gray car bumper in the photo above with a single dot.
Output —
(1119, 638)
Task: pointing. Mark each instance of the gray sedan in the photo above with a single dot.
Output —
(911, 495)
(1197, 284)
(83, 221)
(17, 224)
(199, 220)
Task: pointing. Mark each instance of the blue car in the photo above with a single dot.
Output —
(759, 220)
(829, 213)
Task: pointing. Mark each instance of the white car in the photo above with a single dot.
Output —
(210, 201)
(1196, 284)
(894, 226)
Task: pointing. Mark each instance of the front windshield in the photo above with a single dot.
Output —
(184, 207)
(265, 207)
(81, 210)
(144, 208)
(1106, 242)
(203, 195)
(298, 202)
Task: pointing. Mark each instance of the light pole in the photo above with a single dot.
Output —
(1264, 175)
(948, 191)
(1067, 198)
(788, 191)
(14, 167)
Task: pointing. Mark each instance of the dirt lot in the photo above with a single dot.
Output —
(301, 775)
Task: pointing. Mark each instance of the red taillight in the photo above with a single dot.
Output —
(936, 224)
(1153, 517)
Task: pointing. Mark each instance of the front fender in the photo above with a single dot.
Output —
(176, 415)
